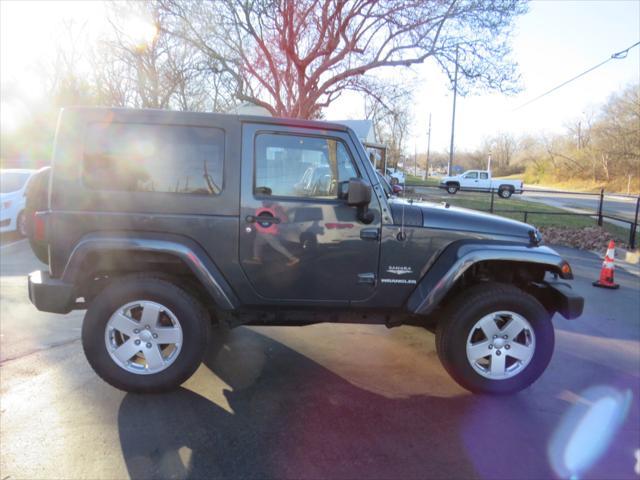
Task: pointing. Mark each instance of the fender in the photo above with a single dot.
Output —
(458, 257)
(181, 247)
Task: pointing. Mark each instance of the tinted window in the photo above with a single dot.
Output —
(484, 175)
(154, 158)
(12, 181)
(297, 166)
(471, 175)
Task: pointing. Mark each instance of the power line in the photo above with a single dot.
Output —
(614, 56)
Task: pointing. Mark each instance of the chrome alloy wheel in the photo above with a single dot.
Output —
(143, 337)
(500, 345)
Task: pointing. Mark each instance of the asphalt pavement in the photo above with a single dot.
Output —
(324, 401)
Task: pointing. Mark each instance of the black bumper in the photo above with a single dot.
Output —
(50, 294)
(567, 302)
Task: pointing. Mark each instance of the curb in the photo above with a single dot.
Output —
(632, 256)
(629, 261)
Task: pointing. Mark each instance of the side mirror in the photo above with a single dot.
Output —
(359, 195)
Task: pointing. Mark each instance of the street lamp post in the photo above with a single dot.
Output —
(426, 167)
(453, 116)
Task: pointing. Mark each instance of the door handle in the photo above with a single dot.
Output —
(369, 234)
(366, 278)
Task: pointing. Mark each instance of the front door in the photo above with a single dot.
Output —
(298, 240)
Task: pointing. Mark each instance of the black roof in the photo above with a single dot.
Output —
(290, 122)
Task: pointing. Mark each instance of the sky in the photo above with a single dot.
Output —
(554, 41)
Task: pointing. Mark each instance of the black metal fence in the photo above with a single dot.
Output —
(597, 211)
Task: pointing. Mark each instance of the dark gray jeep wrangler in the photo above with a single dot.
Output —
(161, 223)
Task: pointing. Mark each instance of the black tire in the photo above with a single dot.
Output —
(468, 308)
(193, 318)
(40, 250)
(36, 199)
(21, 224)
(505, 193)
(452, 188)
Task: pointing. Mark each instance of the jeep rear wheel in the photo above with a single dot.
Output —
(144, 334)
(495, 338)
(452, 188)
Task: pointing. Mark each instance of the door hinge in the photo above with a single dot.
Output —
(366, 278)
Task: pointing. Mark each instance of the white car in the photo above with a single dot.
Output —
(13, 184)
(395, 176)
(481, 181)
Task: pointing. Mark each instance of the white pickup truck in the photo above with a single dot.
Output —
(480, 180)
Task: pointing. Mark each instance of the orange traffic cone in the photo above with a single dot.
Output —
(606, 273)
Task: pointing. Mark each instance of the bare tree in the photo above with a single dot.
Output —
(388, 107)
(64, 81)
(616, 134)
(294, 57)
(141, 64)
(504, 148)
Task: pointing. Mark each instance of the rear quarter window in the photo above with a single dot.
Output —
(154, 158)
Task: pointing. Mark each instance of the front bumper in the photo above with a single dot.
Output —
(7, 223)
(568, 303)
(50, 294)
(9, 216)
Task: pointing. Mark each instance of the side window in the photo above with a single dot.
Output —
(484, 175)
(154, 158)
(472, 175)
(299, 166)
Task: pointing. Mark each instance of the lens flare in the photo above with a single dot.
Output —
(586, 430)
(140, 31)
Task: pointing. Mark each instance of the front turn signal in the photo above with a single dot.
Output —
(565, 271)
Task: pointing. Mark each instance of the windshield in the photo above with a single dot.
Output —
(12, 181)
(385, 185)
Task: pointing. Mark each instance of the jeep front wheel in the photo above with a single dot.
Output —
(495, 338)
(144, 334)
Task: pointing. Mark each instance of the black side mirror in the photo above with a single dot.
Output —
(359, 195)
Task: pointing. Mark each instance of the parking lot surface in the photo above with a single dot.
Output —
(324, 401)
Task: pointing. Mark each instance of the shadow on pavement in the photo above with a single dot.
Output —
(294, 418)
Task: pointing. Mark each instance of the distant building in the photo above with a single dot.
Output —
(366, 133)
(363, 129)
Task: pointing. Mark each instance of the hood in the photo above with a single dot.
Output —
(439, 216)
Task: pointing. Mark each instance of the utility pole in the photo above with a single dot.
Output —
(579, 135)
(415, 159)
(453, 116)
(426, 167)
